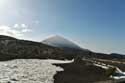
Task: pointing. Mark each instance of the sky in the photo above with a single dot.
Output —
(98, 25)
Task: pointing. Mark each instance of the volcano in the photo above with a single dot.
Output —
(60, 42)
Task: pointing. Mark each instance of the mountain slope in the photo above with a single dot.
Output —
(117, 55)
(12, 48)
(58, 41)
(73, 49)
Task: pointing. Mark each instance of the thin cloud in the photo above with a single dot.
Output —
(24, 26)
(6, 30)
(16, 31)
(16, 25)
(26, 30)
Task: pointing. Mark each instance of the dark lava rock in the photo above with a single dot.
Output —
(80, 72)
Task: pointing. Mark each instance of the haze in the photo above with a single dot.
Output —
(97, 25)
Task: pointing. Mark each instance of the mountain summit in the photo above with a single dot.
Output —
(58, 41)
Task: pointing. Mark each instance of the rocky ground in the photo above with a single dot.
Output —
(118, 64)
(51, 71)
(81, 72)
(27, 71)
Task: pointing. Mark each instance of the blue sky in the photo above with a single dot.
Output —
(98, 25)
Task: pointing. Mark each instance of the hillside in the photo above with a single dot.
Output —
(12, 48)
(58, 41)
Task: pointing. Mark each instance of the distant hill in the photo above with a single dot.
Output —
(58, 41)
(67, 45)
(117, 55)
(72, 48)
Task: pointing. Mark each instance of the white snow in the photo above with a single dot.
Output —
(118, 77)
(122, 76)
(29, 71)
(118, 71)
(102, 66)
(58, 61)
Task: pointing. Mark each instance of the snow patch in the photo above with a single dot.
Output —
(29, 71)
